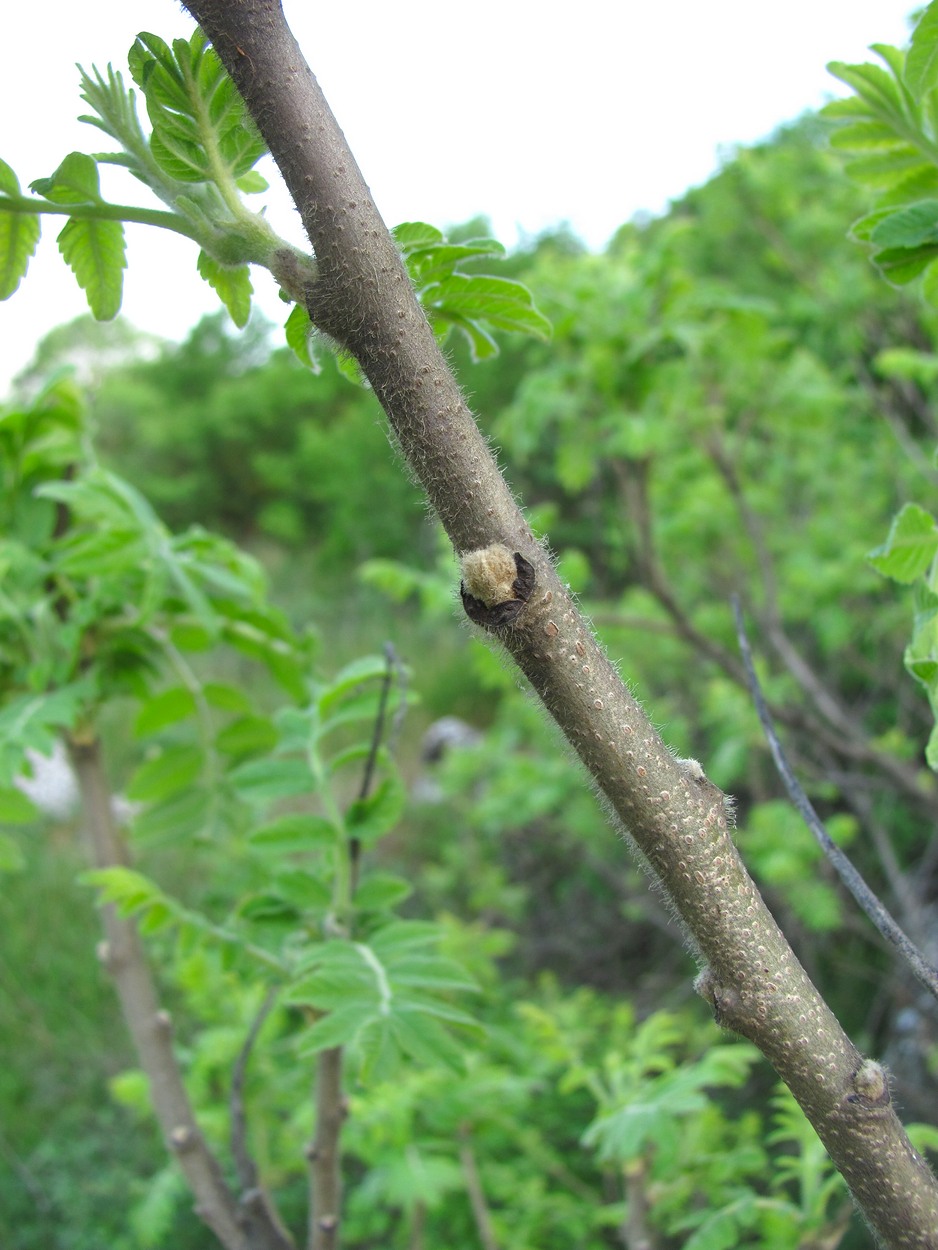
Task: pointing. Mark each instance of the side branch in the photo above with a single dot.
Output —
(150, 1027)
(676, 818)
(852, 879)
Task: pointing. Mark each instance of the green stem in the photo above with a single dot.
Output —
(100, 212)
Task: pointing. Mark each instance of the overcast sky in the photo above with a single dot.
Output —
(588, 117)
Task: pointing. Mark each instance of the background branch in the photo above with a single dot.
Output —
(324, 1159)
(257, 1207)
(476, 1191)
(851, 878)
(150, 1027)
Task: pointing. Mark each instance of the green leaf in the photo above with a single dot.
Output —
(930, 288)
(296, 834)
(875, 86)
(248, 735)
(911, 226)
(299, 331)
(910, 547)
(16, 808)
(127, 889)
(252, 183)
(923, 1136)
(166, 774)
(343, 972)
(176, 820)
(304, 890)
(410, 235)
(162, 710)
(35, 721)
(232, 285)
(393, 939)
(901, 265)
(199, 120)
(260, 781)
(226, 698)
(12, 858)
(338, 1028)
(369, 819)
(419, 971)
(74, 182)
(420, 1037)
(366, 668)
(468, 300)
(9, 183)
(19, 235)
(381, 891)
(921, 62)
(866, 136)
(370, 989)
(94, 251)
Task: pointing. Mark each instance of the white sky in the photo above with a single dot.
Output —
(589, 116)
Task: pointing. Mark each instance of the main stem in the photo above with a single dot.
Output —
(677, 820)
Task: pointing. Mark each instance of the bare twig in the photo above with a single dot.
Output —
(378, 731)
(851, 878)
(632, 477)
(368, 773)
(397, 720)
(476, 1191)
(245, 1166)
(850, 740)
(255, 1202)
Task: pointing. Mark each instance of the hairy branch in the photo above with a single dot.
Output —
(676, 818)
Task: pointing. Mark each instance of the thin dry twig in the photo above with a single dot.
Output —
(884, 922)
(245, 1166)
(476, 1191)
(324, 1153)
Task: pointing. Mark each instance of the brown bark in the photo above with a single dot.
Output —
(150, 1027)
(248, 1224)
(676, 819)
(324, 1161)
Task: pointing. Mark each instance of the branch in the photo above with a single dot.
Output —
(476, 1191)
(677, 819)
(323, 1154)
(27, 206)
(924, 972)
(257, 1208)
(368, 773)
(636, 1231)
(150, 1027)
(849, 738)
